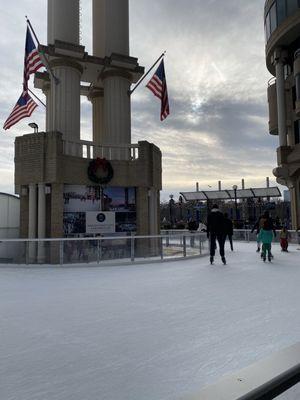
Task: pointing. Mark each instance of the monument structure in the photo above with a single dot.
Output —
(282, 29)
(64, 181)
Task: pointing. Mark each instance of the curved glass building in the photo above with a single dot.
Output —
(282, 32)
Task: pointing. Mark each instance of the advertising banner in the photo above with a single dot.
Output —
(100, 222)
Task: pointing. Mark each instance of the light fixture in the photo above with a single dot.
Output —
(34, 126)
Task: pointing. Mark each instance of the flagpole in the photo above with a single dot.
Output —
(56, 80)
(37, 97)
(147, 73)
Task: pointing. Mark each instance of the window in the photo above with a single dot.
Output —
(292, 6)
(297, 131)
(294, 96)
(273, 18)
(281, 11)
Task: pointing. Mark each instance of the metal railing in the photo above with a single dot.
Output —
(244, 235)
(248, 236)
(103, 250)
(89, 150)
(264, 380)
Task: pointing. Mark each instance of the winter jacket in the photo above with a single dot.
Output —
(215, 222)
(265, 236)
(228, 227)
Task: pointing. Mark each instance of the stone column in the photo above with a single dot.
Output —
(281, 111)
(49, 112)
(63, 21)
(117, 109)
(297, 80)
(65, 99)
(32, 219)
(32, 212)
(117, 27)
(97, 99)
(41, 221)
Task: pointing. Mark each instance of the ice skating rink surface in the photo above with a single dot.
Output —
(143, 332)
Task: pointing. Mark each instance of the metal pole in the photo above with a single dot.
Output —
(132, 248)
(184, 245)
(61, 252)
(161, 249)
(147, 73)
(45, 59)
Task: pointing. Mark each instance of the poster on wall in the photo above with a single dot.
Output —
(80, 200)
(102, 222)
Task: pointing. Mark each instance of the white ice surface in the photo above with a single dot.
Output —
(143, 332)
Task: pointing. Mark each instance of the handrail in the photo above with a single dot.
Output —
(102, 238)
(89, 150)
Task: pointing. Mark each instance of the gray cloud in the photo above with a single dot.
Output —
(217, 87)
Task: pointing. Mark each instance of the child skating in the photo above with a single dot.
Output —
(284, 239)
(266, 236)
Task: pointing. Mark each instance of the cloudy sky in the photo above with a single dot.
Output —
(217, 80)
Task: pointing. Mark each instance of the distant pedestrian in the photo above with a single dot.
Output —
(284, 239)
(215, 232)
(228, 229)
(266, 236)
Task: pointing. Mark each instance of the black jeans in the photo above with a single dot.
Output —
(230, 241)
(221, 240)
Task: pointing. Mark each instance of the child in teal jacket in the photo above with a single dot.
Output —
(265, 236)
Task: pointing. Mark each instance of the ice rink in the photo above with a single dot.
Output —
(143, 332)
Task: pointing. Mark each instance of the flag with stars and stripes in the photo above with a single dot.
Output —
(24, 108)
(32, 61)
(158, 86)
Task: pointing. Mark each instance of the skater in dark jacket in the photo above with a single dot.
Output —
(215, 231)
(228, 229)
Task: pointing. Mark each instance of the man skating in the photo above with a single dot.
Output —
(215, 232)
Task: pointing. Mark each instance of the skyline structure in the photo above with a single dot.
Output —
(219, 123)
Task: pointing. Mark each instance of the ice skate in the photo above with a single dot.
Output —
(264, 258)
(269, 258)
(258, 250)
(224, 260)
(211, 260)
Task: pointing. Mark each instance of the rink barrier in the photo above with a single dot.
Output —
(110, 250)
(245, 235)
(263, 380)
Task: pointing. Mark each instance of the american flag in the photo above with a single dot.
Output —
(32, 61)
(158, 86)
(24, 108)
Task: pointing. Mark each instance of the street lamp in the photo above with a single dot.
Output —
(34, 126)
(234, 187)
(171, 203)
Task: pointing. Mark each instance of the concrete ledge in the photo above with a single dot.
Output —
(264, 380)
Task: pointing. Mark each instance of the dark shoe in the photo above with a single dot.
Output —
(224, 260)
(211, 260)
(269, 259)
(258, 250)
(264, 259)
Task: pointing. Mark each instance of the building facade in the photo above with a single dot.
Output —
(282, 31)
(64, 181)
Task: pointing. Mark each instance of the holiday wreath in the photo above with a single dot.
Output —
(100, 171)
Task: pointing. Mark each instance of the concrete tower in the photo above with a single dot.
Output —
(282, 29)
(53, 165)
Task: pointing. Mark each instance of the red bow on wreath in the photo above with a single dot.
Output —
(100, 163)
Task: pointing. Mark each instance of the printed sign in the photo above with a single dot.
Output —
(100, 222)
